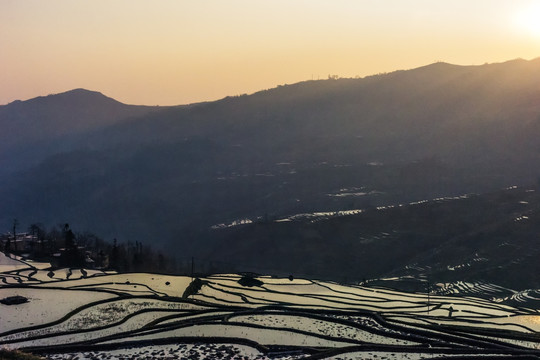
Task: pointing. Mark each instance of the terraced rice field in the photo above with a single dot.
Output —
(77, 313)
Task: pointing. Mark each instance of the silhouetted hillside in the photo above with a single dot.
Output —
(171, 174)
(45, 125)
(491, 237)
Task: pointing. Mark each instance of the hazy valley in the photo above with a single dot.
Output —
(171, 175)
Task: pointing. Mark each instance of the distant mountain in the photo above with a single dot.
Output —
(42, 126)
(168, 175)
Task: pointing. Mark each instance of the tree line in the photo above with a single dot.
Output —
(63, 247)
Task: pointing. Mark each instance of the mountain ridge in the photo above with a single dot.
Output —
(46, 121)
(437, 64)
(73, 94)
(440, 130)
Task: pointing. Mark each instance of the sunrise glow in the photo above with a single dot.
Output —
(176, 52)
(528, 19)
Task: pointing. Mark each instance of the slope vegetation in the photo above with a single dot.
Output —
(169, 175)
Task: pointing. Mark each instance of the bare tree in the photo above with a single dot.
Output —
(15, 224)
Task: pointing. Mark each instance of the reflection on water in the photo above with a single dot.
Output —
(530, 321)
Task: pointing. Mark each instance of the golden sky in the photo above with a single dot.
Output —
(170, 52)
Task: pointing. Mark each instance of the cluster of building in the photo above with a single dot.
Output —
(21, 242)
(28, 245)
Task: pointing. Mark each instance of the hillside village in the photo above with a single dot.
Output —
(66, 248)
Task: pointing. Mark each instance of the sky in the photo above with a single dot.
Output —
(172, 52)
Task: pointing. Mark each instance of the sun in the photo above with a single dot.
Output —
(528, 19)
